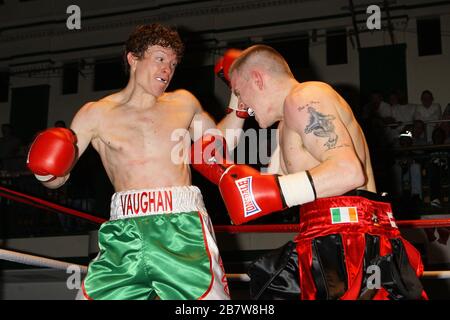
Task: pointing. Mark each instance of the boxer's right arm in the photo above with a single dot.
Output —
(85, 124)
(82, 127)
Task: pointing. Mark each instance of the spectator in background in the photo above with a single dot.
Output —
(446, 123)
(446, 113)
(428, 111)
(373, 117)
(438, 169)
(407, 171)
(376, 107)
(403, 111)
(418, 133)
(400, 114)
(9, 149)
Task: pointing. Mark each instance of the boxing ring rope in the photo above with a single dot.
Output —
(288, 228)
(283, 228)
(42, 262)
(279, 228)
(33, 260)
(37, 261)
(46, 205)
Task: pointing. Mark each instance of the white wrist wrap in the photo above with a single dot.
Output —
(233, 105)
(296, 188)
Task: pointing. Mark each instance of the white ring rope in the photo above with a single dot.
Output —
(60, 265)
(436, 274)
(238, 277)
(37, 261)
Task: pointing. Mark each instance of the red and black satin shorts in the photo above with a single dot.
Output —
(348, 247)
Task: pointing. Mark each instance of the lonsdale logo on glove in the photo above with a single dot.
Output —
(248, 194)
(244, 186)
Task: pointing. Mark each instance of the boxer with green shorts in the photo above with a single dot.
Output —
(158, 243)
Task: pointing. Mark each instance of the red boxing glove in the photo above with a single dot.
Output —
(218, 70)
(209, 156)
(249, 195)
(52, 153)
(222, 67)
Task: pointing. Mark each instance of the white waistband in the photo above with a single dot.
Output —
(138, 203)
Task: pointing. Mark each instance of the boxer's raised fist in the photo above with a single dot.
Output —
(222, 67)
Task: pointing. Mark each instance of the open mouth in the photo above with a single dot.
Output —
(161, 80)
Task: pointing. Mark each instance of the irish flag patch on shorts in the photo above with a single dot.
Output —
(344, 215)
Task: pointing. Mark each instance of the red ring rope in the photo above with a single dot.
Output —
(287, 228)
(47, 205)
(281, 228)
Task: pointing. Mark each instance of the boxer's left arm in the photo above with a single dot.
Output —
(221, 69)
(202, 123)
(313, 114)
(209, 154)
(231, 125)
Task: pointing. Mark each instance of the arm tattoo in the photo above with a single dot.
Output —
(321, 125)
(308, 105)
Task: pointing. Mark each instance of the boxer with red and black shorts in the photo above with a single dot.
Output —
(322, 155)
(349, 247)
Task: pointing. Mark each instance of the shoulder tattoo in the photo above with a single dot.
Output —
(321, 125)
(308, 105)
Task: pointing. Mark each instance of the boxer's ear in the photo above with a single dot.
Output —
(257, 78)
(132, 60)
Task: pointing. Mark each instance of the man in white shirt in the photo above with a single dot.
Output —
(401, 114)
(428, 111)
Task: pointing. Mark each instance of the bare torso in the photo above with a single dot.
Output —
(136, 144)
(294, 157)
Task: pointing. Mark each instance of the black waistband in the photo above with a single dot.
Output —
(368, 195)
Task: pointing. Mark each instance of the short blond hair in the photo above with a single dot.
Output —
(261, 55)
